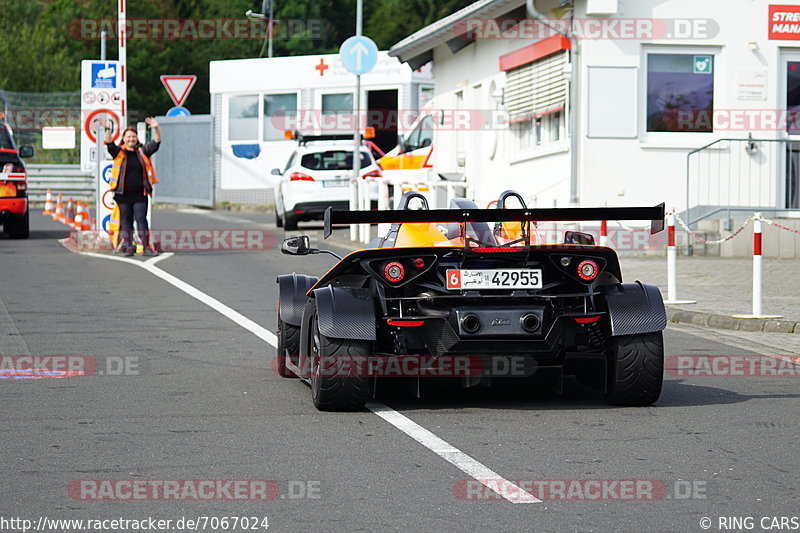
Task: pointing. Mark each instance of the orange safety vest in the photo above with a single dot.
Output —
(117, 175)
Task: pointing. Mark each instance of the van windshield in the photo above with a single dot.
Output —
(332, 160)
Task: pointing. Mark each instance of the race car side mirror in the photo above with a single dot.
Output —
(578, 237)
(26, 151)
(276, 172)
(296, 246)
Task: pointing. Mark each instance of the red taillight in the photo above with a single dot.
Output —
(299, 176)
(587, 320)
(404, 323)
(373, 174)
(394, 272)
(588, 270)
(419, 262)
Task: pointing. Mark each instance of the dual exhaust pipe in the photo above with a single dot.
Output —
(471, 323)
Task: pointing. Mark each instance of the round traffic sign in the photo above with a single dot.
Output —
(94, 119)
(107, 174)
(108, 201)
(358, 54)
(178, 111)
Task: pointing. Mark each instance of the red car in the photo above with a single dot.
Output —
(13, 185)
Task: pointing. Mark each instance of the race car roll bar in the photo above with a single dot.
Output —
(654, 214)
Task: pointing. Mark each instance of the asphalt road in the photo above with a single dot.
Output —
(198, 401)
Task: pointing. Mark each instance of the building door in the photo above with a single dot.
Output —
(791, 88)
(382, 115)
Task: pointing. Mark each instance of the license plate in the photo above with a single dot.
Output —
(500, 278)
(335, 183)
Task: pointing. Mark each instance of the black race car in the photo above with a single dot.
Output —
(471, 296)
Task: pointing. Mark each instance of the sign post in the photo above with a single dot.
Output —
(102, 99)
(359, 55)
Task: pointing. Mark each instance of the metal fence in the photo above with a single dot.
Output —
(742, 175)
(27, 113)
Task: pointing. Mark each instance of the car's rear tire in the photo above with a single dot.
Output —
(289, 223)
(288, 344)
(336, 382)
(278, 219)
(18, 227)
(636, 369)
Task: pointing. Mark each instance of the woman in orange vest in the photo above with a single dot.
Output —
(132, 180)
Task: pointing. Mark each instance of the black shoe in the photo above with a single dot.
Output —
(149, 253)
(130, 252)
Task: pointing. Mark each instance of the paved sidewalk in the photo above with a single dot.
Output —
(723, 287)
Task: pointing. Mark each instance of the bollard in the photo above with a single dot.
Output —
(353, 206)
(603, 233)
(365, 204)
(672, 264)
(757, 272)
(383, 205)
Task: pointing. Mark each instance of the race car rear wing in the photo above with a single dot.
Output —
(654, 214)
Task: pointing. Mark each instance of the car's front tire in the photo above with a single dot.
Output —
(636, 369)
(278, 219)
(288, 344)
(337, 383)
(18, 227)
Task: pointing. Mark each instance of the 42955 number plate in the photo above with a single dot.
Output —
(500, 278)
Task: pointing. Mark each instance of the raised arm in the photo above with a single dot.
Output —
(153, 124)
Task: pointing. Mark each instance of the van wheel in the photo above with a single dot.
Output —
(636, 369)
(278, 219)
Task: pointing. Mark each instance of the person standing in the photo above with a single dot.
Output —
(132, 180)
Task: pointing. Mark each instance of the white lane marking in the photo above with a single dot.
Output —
(260, 332)
(220, 216)
(453, 455)
(440, 447)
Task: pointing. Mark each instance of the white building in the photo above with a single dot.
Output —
(651, 80)
(255, 100)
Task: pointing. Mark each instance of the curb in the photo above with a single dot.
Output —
(709, 320)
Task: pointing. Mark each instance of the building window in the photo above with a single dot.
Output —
(337, 104)
(680, 92)
(793, 97)
(280, 114)
(243, 118)
(535, 96)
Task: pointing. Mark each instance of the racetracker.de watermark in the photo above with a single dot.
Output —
(579, 490)
(186, 240)
(725, 366)
(204, 29)
(14, 367)
(192, 489)
(639, 29)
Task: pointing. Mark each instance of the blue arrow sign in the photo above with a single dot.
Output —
(358, 54)
(178, 111)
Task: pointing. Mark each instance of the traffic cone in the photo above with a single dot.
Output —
(78, 216)
(69, 214)
(86, 223)
(48, 204)
(58, 216)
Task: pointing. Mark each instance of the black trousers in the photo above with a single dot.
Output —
(128, 213)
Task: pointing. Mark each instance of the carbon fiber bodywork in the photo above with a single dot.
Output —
(635, 308)
(345, 313)
(292, 294)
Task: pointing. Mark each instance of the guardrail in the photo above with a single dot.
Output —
(69, 180)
